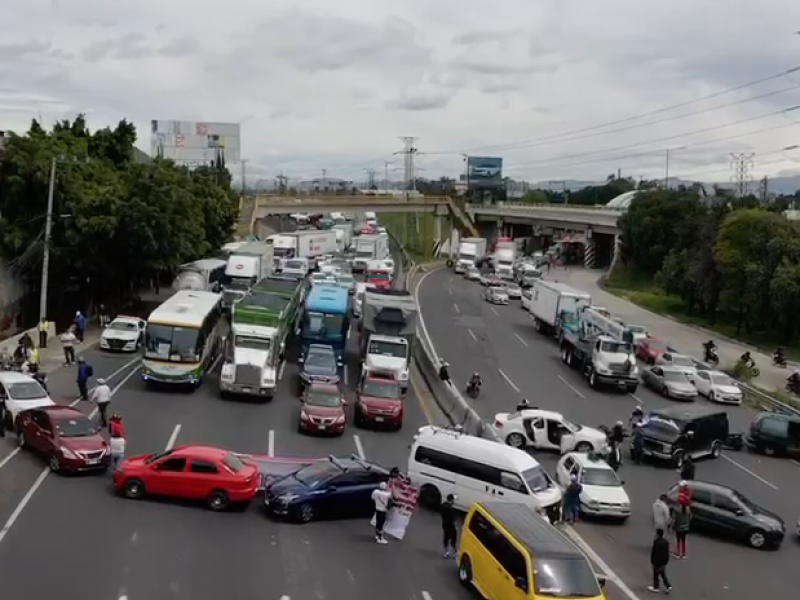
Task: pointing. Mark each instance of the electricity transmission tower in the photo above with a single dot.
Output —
(409, 152)
(741, 165)
(371, 179)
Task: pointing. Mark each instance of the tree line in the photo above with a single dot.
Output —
(119, 219)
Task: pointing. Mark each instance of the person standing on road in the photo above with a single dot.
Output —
(681, 521)
(44, 326)
(80, 325)
(687, 469)
(381, 497)
(116, 441)
(85, 372)
(661, 516)
(449, 531)
(659, 559)
(572, 500)
(102, 397)
(68, 343)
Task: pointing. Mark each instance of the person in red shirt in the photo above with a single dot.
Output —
(115, 426)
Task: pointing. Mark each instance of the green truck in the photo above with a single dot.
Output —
(261, 324)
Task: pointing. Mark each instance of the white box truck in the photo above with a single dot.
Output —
(283, 246)
(505, 252)
(470, 251)
(313, 244)
(345, 239)
(555, 307)
(247, 265)
(369, 248)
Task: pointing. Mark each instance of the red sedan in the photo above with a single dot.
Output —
(322, 409)
(379, 278)
(69, 440)
(650, 349)
(380, 402)
(217, 476)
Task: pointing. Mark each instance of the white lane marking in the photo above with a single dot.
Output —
(114, 374)
(280, 370)
(508, 380)
(426, 595)
(10, 455)
(639, 400)
(271, 443)
(285, 598)
(23, 503)
(458, 310)
(494, 310)
(347, 336)
(173, 438)
(595, 557)
(125, 379)
(450, 291)
(123, 597)
(749, 472)
(570, 386)
(521, 341)
(472, 334)
(359, 447)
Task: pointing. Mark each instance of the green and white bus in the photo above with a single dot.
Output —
(182, 338)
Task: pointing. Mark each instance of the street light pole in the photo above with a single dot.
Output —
(48, 227)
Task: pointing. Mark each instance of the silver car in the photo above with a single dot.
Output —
(473, 274)
(496, 295)
(514, 291)
(669, 381)
(680, 362)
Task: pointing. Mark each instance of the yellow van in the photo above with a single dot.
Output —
(508, 552)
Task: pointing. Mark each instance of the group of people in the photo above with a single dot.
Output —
(665, 519)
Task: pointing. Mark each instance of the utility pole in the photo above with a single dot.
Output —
(244, 176)
(371, 179)
(666, 172)
(408, 152)
(741, 165)
(764, 189)
(48, 228)
(386, 176)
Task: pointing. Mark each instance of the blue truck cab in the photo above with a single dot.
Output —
(325, 319)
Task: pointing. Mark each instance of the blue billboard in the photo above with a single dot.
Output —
(484, 172)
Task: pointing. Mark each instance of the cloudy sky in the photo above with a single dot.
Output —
(323, 84)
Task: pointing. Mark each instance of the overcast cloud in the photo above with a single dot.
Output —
(328, 85)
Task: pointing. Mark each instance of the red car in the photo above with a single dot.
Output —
(380, 279)
(366, 230)
(380, 402)
(192, 472)
(650, 349)
(322, 409)
(66, 436)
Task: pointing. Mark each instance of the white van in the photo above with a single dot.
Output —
(296, 267)
(445, 461)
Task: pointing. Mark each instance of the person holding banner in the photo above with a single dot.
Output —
(381, 497)
(448, 513)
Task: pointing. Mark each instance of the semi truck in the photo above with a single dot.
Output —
(283, 247)
(261, 324)
(555, 307)
(248, 264)
(470, 252)
(369, 248)
(345, 239)
(603, 360)
(388, 325)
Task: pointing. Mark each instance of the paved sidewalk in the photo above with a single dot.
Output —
(686, 338)
(52, 357)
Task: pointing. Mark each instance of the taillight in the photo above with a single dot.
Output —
(498, 424)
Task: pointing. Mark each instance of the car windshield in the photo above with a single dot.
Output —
(636, 329)
(565, 578)
(323, 398)
(233, 462)
(571, 426)
(537, 479)
(123, 326)
(26, 390)
(615, 347)
(74, 427)
(378, 275)
(316, 474)
(346, 280)
(657, 345)
(320, 359)
(499, 286)
(682, 361)
(722, 379)
(381, 389)
(601, 477)
(384, 348)
(293, 264)
(172, 343)
(667, 425)
(158, 455)
(676, 376)
(253, 343)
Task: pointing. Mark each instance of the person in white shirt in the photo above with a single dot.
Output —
(102, 397)
(68, 343)
(381, 497)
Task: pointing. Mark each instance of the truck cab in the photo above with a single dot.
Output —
(387, 355)
(252, 354)
(613, 363)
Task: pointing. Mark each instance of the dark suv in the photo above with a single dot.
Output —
(674, 433)
(773, 433)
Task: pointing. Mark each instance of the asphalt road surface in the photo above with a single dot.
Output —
(500, 343)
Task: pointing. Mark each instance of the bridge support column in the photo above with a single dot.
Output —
(437, 229)
(589, 253)
(616, 253)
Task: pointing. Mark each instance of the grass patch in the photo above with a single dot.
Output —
(415, 231)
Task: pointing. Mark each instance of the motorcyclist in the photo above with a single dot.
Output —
(793, 381)
(444, 374)
(475, 382)
(747, 360)
(523, 405)
(710, 350)
(778, 357)
(617, 434)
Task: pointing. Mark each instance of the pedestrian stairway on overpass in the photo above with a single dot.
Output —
(464, 219)
(247, 209)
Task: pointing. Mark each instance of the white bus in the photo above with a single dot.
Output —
(182, 338)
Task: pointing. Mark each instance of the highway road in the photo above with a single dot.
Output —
(73, 537)
(500, 343)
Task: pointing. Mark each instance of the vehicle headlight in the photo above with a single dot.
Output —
(340, 419)
(303, 415)
(67, 452)
(602, 369)
(287, 498)
(396, 410)
(228, 372)
(269, 377)
(592, 502)
(404, 374)
(625, 504)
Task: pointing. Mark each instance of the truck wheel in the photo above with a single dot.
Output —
(537, 324)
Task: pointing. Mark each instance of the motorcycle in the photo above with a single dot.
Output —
(473, 389)
(748, 368)
(711, 357)
(779, 361)
(793, 387)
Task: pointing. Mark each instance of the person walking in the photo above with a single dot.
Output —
(687, 469)
(103, 316)
(85, 372)
(80, 325)
(102, 397)
(381, 497)
(681, 521)
(659, 559)
(661, 516)
(44, 326)
(116, 441)
(68, 344)
(449, 531)
(572, 500)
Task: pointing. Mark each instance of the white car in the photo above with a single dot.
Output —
(329, 269)
(514, 291)
(472, 274)
(21, 392)
(123, 334)
(527, 295)
(679, 362)
(602, 494)
(718, 387)
(496, 294)
(547, 430)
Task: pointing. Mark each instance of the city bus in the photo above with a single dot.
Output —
(182, 338)
(325, 319)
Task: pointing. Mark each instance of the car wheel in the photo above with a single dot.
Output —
(465, 571)
(21, 439)
(306, 513)
(358, 419)
(430, 496)
(757, 538)
(516, 440)
(133, 488)
(768, 450)
(677, 459)
(711, 397)
(584, 447)
(716, 449)
(218, 500)
(665, 392)
(54, 463)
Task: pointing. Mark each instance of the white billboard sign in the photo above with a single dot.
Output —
(195, 142)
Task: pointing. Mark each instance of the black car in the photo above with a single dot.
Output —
(672, 434)
(326, 489)
(773, 433)
(318, 363)
(722, 510)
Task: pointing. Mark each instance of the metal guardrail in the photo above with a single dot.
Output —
(311, 200)
(547, 207)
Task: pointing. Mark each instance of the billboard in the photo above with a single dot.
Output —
(484, 172)
(195, 142)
